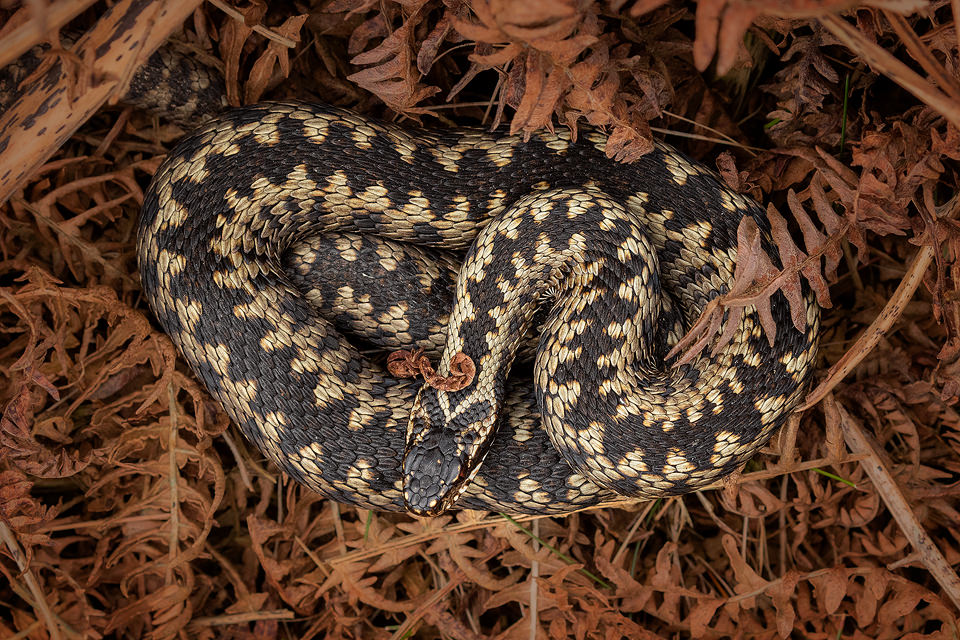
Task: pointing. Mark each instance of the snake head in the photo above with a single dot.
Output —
(444, 449)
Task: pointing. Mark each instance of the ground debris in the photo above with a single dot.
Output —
(130, 507)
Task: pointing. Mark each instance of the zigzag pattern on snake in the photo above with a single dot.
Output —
(274, 244)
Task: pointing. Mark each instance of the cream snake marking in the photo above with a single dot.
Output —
(623, 256)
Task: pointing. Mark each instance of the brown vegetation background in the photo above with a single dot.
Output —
(131, 508)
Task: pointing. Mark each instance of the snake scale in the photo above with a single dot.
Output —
(280, 241)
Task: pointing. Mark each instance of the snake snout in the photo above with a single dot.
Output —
(442, 454)
(433, 474)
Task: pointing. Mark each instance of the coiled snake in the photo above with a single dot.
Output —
(275, 229)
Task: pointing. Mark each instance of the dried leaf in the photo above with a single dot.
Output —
(276, 55)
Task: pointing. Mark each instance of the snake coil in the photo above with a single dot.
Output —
(619, 260)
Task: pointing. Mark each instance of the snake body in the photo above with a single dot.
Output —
(626, 257)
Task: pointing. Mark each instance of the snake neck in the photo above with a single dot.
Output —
(566, 246)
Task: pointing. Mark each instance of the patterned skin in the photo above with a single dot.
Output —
(604, 416)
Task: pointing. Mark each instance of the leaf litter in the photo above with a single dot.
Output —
(130, 507)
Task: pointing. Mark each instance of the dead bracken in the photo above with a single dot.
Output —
(129, 506)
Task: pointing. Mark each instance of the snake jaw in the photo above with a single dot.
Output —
(442, 454)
